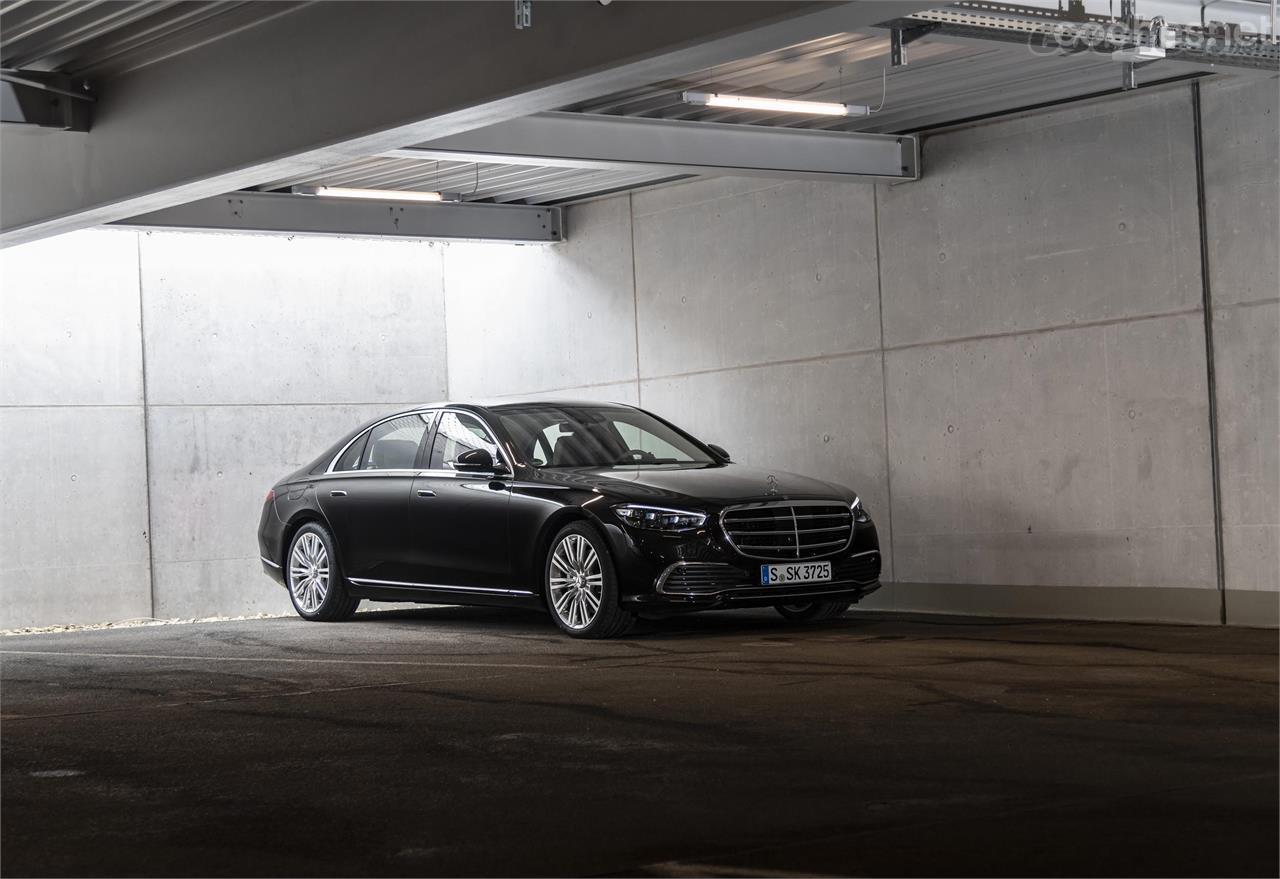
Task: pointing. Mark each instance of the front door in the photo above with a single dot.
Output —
(458, 521)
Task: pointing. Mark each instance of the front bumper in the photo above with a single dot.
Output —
(703, 571)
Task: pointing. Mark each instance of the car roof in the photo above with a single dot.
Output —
(497, 405)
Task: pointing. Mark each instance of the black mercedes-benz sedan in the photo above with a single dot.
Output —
(596, 512)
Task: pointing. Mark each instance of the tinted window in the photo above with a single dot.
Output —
(603, 436)
(393, 445)
(458, 433)
(350, 459)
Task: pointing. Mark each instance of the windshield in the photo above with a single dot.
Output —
(597, 436)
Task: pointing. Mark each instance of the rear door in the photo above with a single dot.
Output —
(458, 521)
(366, 498)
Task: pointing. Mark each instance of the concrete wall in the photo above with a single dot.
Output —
(1006, 359)
(73, 486)
(1242, 203)
(187, 372)
(1047, 387)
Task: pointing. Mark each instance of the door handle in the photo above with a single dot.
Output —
(337, 492)
(426, 492)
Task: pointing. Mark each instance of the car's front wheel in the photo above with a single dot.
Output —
(314, 578)
(812, 611)
(580, 585)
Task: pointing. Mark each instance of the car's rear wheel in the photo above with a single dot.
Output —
(812, 611)
(580, 586)
(314, 578)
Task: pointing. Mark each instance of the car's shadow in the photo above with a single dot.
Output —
(518, 621)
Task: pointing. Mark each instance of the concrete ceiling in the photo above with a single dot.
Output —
(198, 99)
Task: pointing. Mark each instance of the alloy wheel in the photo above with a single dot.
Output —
(309, 572)
(576, 581)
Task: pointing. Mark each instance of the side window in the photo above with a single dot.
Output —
(350, 459)
(393, 445)
(458, 433)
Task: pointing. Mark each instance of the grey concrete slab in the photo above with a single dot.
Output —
(729, 274)
(1242, 203)
(822, 419)
(1247, 371)
(527, 319)
(275, 319)
(73, 521)
(1073, 457)
(69, 321)
(209, 587)
(211, 467)
(711, 745)
(691, 193)
(1079, 214)
(1157, 423)
(1242, 186)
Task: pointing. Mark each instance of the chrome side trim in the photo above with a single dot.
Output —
(267, 561)
(484, 590)
(360, 474)
(758, 505)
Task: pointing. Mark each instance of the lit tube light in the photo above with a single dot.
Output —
(777, 105)
(375, 194)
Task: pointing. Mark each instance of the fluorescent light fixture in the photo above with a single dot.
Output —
(375, 194)
(777, 105)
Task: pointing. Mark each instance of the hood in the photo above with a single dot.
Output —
(719, 484)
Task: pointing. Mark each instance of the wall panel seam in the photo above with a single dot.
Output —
(444, 320)
(1215, 464)
(635, 285)
(146, 431)
(884, 382)
(1053, 328)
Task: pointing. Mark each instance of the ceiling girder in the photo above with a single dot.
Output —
(319, 215)
(664, 146)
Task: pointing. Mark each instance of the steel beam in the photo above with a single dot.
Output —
(329, 82)
(43, 101)
(317, 215)
(666, 146)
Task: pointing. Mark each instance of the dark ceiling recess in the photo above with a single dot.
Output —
(53, 53)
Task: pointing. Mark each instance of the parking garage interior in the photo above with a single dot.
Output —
(1021, 292)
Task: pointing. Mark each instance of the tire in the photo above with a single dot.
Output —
(314, 578)
(580, 586)
(813, 611)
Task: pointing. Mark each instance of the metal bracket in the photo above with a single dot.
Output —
(1129, 73)
(45, 100)
(901, 37)
(524, 14)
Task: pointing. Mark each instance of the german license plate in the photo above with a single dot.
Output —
(801, 572)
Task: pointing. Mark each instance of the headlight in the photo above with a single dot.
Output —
(659, 518)
(859, 512)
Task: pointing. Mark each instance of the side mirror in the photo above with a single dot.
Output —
(719, 452)
(475, 461)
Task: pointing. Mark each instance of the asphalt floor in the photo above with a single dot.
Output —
(471, 741)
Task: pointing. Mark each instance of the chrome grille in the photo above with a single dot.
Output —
(789, 529)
